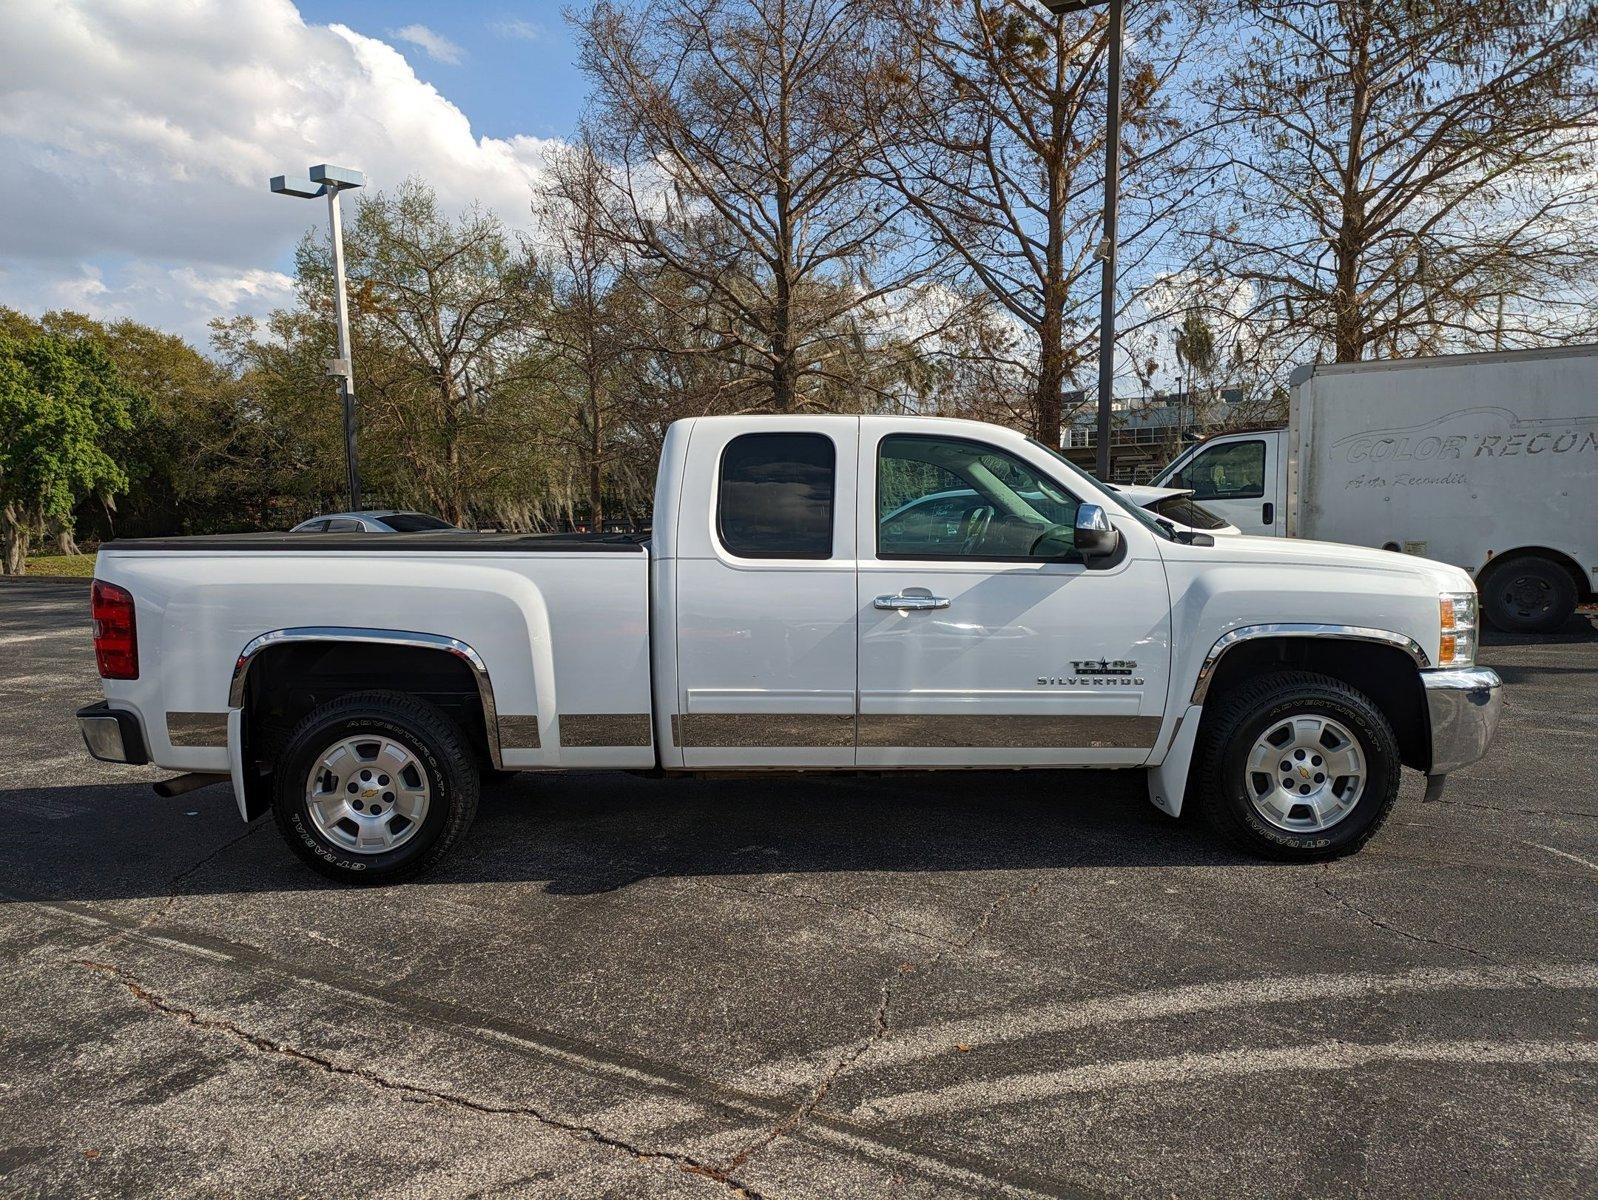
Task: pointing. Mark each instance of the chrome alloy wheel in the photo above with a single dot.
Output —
(1305, 773)
(367, 794)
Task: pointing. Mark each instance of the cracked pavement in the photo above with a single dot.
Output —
(973, 984)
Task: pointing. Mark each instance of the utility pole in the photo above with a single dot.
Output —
(327, 180)
(1109, 245)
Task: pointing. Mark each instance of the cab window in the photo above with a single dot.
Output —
(949, 498)
(1233, 471)
(775, 495)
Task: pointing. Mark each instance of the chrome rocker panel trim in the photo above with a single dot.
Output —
(385, 637)
(1347, 633)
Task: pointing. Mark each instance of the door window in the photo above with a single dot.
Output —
(949, 498)
(1233, 471)
(775, 495)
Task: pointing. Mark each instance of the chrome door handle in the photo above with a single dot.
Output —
(910, 602)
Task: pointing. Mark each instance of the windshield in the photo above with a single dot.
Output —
(1141, 516)
(414, 522)
(1184, 510)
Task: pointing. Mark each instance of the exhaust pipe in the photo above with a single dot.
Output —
(187, 783)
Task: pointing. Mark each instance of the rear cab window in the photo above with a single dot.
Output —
(775, 495)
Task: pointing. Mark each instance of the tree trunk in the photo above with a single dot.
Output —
(1349, 331)
(1051, 357)
(1051, 376)
(596, 472)
(16, 534)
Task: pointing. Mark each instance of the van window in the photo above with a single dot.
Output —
(775, 495)
(1231, 471)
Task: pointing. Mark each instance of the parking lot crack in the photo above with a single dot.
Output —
(261, 1044)
(1409, 935)
(822, 902)
(881, 1023)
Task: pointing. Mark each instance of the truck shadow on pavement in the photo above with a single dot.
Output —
(584, 834)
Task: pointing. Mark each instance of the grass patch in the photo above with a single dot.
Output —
(75, 566)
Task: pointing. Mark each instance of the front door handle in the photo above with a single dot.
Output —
(917, 603)
(1268, 513)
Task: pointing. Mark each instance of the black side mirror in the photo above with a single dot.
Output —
(1095, 536)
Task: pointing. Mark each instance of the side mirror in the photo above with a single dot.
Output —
(1095, 536)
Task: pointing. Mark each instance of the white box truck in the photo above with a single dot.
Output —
(1485, 461)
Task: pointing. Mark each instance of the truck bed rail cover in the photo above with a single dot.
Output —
(452, 542)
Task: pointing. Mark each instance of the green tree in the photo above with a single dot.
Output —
(190, 459)
(62, 407)
(447, 372)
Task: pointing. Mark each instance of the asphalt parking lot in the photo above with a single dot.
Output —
(994, 984)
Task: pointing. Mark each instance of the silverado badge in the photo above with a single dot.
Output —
(1096, 673)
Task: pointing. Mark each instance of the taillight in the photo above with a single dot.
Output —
(116, 634)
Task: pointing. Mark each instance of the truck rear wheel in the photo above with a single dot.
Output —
(1529, 594)
(374, 787)
(1297, 766)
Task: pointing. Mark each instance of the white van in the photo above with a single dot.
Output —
(1485, 461)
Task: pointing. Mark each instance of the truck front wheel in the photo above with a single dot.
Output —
(1528, 594)
(1297, 766)
(374, 787)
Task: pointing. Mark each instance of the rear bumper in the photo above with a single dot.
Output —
(1464, 706)
(112, 734)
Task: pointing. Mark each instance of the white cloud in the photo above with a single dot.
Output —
(516, 27)
(138, 136)
(435, 45)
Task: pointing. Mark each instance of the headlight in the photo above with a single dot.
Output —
(1456, 647)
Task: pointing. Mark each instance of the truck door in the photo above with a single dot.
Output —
(765, 594)
(982, 641)
(1235, 476)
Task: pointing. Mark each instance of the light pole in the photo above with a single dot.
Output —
(327, 180)
(1108, 247)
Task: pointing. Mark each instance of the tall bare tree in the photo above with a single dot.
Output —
(1002, 156)
(744, 162)
(1410, 176)
(581, 326)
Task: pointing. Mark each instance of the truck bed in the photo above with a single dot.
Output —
(560, 624)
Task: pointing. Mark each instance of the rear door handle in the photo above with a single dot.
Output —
(910, 602)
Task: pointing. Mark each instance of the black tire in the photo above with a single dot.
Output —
(1245, 714)
(441, 753)
(1528, 594)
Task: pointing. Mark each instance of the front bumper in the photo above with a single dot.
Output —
(112, 734)
(1464, 705)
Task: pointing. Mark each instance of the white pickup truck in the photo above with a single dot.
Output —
(794, 610)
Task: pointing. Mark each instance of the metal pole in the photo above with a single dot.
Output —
(346, 379)
(1108, 247)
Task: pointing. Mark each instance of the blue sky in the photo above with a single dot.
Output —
(517, 73)
(137, 136)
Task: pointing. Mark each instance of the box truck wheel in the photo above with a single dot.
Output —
(1527, 594)
(1297, 766)
(374, 787)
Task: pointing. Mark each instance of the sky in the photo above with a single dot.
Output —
(137, 136)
